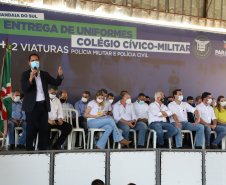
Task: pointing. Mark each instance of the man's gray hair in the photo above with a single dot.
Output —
(158, 95)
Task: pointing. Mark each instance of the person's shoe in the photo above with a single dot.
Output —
(208, 147)
(178, 147)
(56, 147)
(97, 147)
(12, 147)
(21, 147)
(198, 147)
(140, 146)
(213, 147)
(125, 146)
(124, 142)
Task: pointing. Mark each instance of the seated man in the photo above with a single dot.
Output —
(63, 99)
(191, 116)
(126, 119)
(190, 100)
(147, 100)
(81, 106)
(198, 100)
(157, 119)
(56, 118)
(110, 98)
(17, 120)
(207, 114)
(179, 119)
(108, 107)
(141, 108)
(169, 100)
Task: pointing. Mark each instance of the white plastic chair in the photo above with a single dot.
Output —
(134, 139)
(91, 132)
(17, 129)
(36, 142)
(155, 138)
(68, 113)
(37, 137)
(203, 144)
(3, 139)
(223, 143)
(191, 136)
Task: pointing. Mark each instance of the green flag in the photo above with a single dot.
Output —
(6, 96)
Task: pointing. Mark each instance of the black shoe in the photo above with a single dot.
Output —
(198, 147)
(178, 147)
(125, 146)
(21, 147)
(213, 147)
(56, 147)
(12, 147)
(161, 146)
(140, 146)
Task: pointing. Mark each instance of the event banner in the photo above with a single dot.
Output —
(117, 55)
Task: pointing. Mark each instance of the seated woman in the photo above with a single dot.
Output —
(96, 118)
(220, 111)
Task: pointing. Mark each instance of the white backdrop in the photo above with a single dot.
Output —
(79, 168)
(133, 167)
(215, 168)
(24, 169)
(181, 168)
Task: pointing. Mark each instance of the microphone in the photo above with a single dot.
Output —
(36, 72)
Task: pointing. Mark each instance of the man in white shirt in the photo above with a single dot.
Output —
(158, 113)
(179, 119)
(126, 118)
(108, 107)
(206, 115)
(55, 119)
(141, 109)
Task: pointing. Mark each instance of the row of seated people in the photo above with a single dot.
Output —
(100, 113)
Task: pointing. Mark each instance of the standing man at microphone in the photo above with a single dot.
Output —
(36, 102)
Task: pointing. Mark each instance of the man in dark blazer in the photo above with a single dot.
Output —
(36, 104)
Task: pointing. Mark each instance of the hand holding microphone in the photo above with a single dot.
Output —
(33, 73)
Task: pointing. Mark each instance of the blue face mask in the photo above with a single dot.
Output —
(35, 64)
(141, 102)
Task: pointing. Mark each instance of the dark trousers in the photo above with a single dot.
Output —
(37, 121)
(65, 129)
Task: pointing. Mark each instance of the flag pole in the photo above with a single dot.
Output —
(3, 66)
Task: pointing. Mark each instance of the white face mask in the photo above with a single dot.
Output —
(17, 99)
(84, 100)
(180, 98)
(111, 101)
(223, 103)
(52, 96)
(128, 101)
(209, 101)
(99, 100)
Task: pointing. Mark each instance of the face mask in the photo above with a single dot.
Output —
(62, 100)
(223, 103)
(180, 98)
(162, 100)
(84, 100)
(17, 99)
(35, 64)
(99, 100)
(52, 96)
(111, 101)
(128, 101)
(209, 101)
(141, 102)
